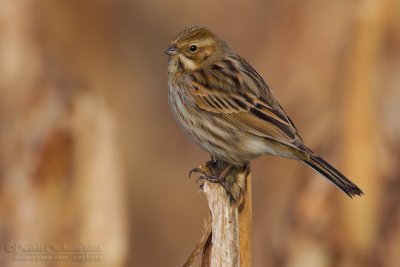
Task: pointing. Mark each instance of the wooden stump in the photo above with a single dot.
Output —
(229, 244)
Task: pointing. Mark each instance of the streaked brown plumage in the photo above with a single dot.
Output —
(228, 109)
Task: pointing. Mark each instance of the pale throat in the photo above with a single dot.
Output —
(188, 64)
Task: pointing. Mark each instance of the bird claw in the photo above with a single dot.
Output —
(214, 179)
(195, 170)
(206, 169)
(209, 173)
(210, 178)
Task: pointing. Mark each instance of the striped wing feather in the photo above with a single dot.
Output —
(250, 113)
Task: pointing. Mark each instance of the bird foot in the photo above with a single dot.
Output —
(209, 172)
(223, 174)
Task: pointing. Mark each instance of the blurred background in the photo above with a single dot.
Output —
(91, 156)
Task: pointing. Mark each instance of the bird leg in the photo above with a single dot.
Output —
(210, 171)
(220, 172)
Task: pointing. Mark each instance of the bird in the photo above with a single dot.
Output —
(229, 110)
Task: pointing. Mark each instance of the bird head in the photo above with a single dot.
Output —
(195, 47)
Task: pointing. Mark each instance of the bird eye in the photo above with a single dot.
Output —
(193, 48)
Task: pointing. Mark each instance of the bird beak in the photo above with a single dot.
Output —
(172, 50)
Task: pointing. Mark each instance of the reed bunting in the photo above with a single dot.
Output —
(226, 107)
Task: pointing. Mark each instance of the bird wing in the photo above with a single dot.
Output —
(258, 114)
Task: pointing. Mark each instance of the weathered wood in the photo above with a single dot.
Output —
(202, 245)
(231, 223)
(225, 249)
(246, 224)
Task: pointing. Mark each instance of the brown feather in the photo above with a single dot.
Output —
(225, 105)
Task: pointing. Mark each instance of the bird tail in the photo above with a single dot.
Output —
(333, 175)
